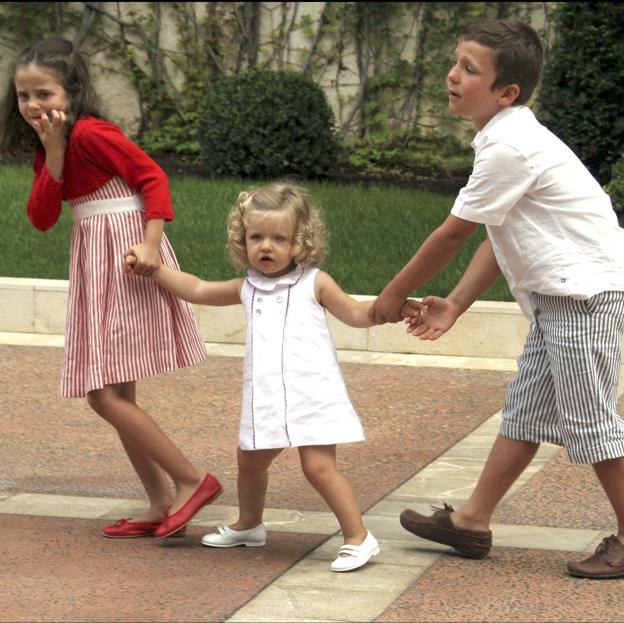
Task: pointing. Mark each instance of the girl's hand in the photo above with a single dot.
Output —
(143, 259)
(437, 316)
(129, 261)
(52, 130)
(411, 310)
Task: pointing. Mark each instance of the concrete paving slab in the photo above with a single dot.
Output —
(62, 570)
(510, 585)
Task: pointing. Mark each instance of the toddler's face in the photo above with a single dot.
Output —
(38, 91)
(269, 244)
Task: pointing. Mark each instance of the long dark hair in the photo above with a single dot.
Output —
(59, 57)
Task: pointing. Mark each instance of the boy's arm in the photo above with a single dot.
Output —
(440, 314)
(435, 253)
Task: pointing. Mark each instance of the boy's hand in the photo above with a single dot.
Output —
(386, 308)
(437, 316)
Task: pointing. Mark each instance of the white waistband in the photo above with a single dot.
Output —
(107, 206)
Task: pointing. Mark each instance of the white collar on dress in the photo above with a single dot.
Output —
(259, 281)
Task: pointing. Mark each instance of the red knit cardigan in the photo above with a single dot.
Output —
(96, 152)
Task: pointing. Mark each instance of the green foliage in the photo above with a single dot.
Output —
(373, 232)
(177, 135)
(266, 124)
(582, 92)
(615, 188)
(412, 155)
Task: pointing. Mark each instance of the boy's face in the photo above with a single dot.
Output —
(469, 84)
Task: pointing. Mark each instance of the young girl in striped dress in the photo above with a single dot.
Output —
(118, 329)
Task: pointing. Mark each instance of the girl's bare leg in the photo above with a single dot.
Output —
(139, 431)
(253, 480)
(319, 466)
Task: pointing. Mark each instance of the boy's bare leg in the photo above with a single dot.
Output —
(319, 466)
(253, 480)
(611, 476)
(508, 458)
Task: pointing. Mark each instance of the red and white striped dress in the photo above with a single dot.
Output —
(120, 327)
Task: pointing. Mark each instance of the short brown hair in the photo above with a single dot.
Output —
(517, 52)
(278, 200)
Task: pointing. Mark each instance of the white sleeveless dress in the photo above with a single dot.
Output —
(293, 389)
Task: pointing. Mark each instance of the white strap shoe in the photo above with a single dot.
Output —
(226, 537)
(356, 555)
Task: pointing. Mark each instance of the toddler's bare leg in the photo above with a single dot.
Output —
(319, 466)
(253, 480)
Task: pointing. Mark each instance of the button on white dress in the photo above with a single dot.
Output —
(293, 389)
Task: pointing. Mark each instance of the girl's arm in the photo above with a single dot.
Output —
(46, 195)
(147, 254)
(191, 288)
(331, 296)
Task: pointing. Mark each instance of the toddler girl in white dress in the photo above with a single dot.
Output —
(293, 389)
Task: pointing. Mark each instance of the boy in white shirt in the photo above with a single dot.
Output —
(553, 234)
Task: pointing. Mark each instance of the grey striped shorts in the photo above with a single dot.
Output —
(565, 391)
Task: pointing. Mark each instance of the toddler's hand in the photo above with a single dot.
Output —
(146, 259)
(130, 261)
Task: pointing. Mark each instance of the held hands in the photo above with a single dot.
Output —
(142, 259)
(52, 130)
(437, 316)
(387, 308)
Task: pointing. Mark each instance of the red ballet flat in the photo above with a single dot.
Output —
(208, 491)
(126, 529)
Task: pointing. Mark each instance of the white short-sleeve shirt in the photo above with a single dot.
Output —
(551, 225)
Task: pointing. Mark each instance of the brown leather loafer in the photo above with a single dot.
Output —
(607, 562)
(439, 528)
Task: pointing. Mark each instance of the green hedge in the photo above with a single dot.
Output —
(582, 88)
(266, 124)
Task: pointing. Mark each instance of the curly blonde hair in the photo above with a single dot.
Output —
(281, 201)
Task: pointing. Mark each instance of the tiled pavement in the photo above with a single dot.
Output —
(430, 422)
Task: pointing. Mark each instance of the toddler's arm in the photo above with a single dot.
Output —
(191, 288)
(353, 313)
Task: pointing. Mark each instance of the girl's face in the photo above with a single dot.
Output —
(38, 91)
(269, 244)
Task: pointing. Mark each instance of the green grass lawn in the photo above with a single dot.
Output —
(373, 232)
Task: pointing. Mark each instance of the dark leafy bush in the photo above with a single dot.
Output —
(582, 88)
(615, 188)
(266, 124)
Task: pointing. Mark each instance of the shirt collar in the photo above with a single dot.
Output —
(481, 135)
(259, 281)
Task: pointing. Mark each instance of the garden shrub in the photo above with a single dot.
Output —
(582, 88)
(266, 124)
(615, 188)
